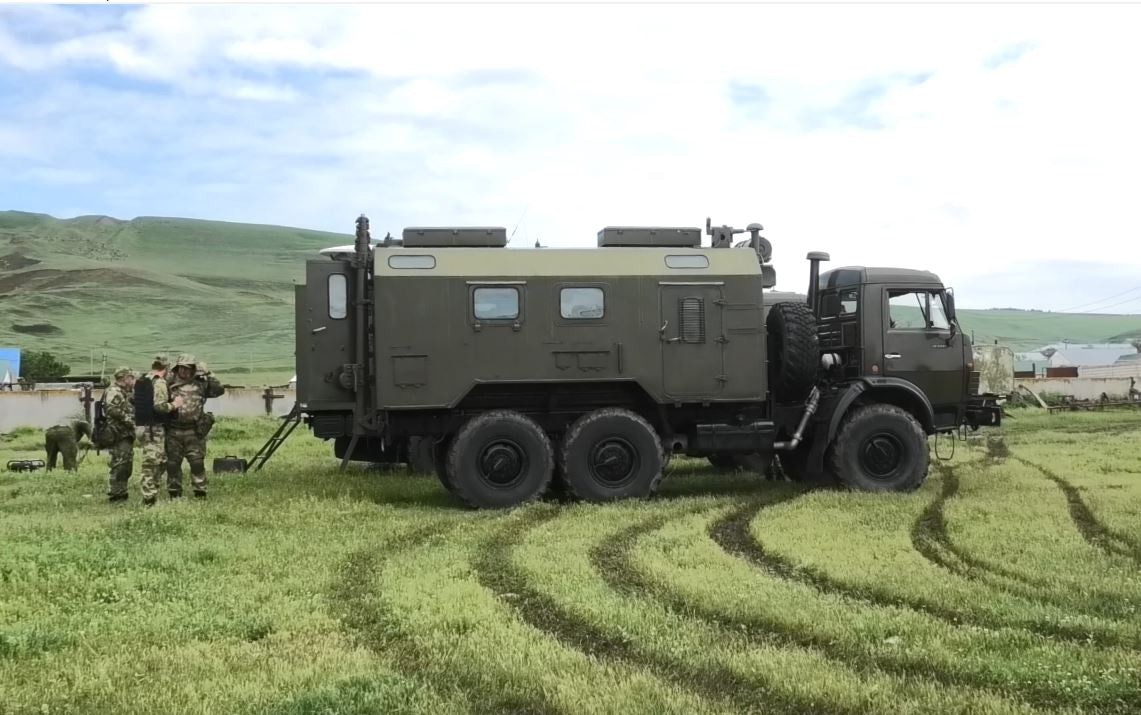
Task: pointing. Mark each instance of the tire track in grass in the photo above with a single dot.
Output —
(1095, 533)
(378, 629)
(931, 539)
(615, 563)
(496, 572)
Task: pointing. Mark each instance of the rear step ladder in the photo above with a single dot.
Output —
(288, 424)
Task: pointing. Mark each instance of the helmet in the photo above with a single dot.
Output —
(122, 372)
(160, 362)
(185, 359)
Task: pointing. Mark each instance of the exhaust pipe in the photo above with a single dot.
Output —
(809, 410)
(814, 258)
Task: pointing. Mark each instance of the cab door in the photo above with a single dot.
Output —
(919, 346)
(692, 339)
(324, 328)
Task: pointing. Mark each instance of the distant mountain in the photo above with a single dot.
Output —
(94, 285)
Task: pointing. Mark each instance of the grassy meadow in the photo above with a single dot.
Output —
(92, 288)
(1010, 583)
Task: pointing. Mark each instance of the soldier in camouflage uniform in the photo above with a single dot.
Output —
(118, 407)
(64, 439)
(152, 438)
(186, 435)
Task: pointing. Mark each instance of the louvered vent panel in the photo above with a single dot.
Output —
(692, 320)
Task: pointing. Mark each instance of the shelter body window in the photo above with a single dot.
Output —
(421, 262)
(917, 310)
(338, 296)
(496, 303)
(582, 303)
(694, 261)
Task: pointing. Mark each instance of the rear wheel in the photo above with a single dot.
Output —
(440, 460)
(421, 457)
(723, 462)
(880, 448)
(611, 454)
(499, 459)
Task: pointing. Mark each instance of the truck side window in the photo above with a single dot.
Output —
(496, 303)
(844, 302)
(917, 310)
(338, 296)
(582, 303)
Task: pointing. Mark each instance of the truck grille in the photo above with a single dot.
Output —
(973, 383)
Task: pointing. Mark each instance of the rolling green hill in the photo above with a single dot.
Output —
(95, 286)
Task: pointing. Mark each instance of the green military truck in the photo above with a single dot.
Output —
(590, 367)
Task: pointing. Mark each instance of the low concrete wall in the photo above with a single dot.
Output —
(44, 408)
(1079, 388)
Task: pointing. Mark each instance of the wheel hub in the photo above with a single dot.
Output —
(613, 461)
(881, 455)
(502, 463)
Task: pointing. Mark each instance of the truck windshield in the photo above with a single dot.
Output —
(917, 310)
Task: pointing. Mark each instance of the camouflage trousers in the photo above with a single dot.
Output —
(121, 459)
(61, 440)
(152, 441)
(184, 443)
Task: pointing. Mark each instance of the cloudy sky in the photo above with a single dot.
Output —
(997, 146)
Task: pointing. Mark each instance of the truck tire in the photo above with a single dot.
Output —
(880, 448)
(793, 351)
(499, 459)
(611, 454)
(723, 462)
(440, 460)
(421, 458)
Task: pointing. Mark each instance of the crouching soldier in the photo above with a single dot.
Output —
(153, 411)
(187, 433)
(115, 431)
(64, 439)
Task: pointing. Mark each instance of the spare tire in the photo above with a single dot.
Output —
(794, 351)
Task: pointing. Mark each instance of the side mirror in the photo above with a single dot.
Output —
(950, 305)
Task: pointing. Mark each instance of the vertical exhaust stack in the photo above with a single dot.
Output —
(814, 258)
(361, 264)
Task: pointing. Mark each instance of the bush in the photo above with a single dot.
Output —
(43, 366)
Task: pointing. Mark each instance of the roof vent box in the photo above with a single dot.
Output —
(443, 237)
(650, 236)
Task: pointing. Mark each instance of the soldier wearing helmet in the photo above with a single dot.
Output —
(186, 435)
(119, 411)
(154, 408)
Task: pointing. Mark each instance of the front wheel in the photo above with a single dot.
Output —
(880, 448)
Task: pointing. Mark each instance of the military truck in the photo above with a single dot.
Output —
(587, 368)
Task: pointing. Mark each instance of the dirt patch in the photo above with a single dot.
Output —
(54, 279)
(37, 329)
(16, 261)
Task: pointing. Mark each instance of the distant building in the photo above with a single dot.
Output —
(1073, 355)
(9, 367)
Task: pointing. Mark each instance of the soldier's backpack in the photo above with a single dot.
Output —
(102, 436)
(144, 400)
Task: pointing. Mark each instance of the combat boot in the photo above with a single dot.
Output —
(116, 498)
(175, 493)
(199, 494)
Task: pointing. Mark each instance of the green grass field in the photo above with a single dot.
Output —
(95, 288)
(1011, 582)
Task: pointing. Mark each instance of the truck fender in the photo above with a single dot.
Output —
(915, 401)
(833, 414)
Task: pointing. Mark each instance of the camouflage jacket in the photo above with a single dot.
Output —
(119, 408)
(194, 393)
(162, 394)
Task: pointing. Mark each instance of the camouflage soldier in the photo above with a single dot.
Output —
(119, 410)
(64, 438)
(187, 433)
(151, 417)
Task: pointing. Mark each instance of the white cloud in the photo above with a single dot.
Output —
(1006, 133)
